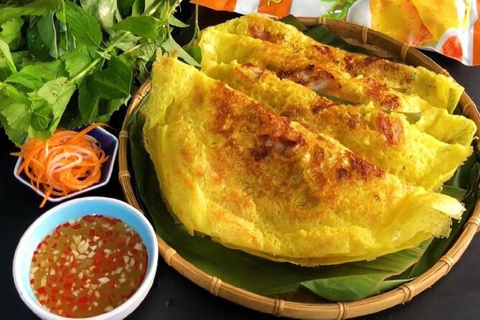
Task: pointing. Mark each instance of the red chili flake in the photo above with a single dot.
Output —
(42, 290)
(98, 258)
(66, 224)
(76, 226)
(32, 281)
(91, 232)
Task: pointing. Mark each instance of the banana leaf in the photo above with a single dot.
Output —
(345, 282)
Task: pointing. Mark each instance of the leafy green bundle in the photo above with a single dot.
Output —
(72, 63)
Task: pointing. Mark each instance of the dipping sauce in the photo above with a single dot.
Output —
(88, 266)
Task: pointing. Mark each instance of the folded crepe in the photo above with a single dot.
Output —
(218, 47)
(400, 20)
(259, 182)
(439, 90)
(387, 140)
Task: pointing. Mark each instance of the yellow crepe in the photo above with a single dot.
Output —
(218, 47)
(255, 181)
(441, 15)
(386, 140)
(439, 90)
(400, 20)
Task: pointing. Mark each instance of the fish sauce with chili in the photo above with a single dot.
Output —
(88, 266)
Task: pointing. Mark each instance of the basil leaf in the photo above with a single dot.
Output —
(83, 26)
(113, 82)
(146, 27)
(5, 51)
(34, 8)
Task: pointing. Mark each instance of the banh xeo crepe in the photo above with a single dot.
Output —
(438, 90)
(400, 20)
(386, 140)
(255, 181)
(458, 18)
(218, 47)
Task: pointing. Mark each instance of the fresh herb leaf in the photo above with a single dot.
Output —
(107, 108)
(339, 10)
(11, 32)
(26, 80)
(146, 26)
(46, 70)
(36, 45)
(102, 10)
(49, 103)
(87, 103)
(114, 82)
(176, 23)
(125, 7)
(78, 59)
(48, 33)
(34, 8)
(171, 46)
(5, 51)
(83, 26)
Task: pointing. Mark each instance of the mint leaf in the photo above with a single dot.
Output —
(113, 82)
(34, 8)
(5, 52)
(83, 26)
(146, 26)
(77, 60)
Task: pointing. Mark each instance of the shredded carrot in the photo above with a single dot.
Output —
(67, 162)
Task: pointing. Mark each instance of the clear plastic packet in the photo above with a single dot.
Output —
(451, 27)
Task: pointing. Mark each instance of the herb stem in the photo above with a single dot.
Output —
(96, 61)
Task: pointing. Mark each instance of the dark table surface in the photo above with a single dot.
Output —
(457, 296)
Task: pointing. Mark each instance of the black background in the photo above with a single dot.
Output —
(457, 296)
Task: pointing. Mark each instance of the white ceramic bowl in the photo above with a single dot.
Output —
(75, 209)
(109, 144)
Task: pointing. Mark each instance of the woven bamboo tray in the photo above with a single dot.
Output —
(383, 46)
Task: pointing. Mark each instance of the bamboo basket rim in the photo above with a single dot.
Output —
(362, 36)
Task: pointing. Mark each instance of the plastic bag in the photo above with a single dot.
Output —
(451, 27)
